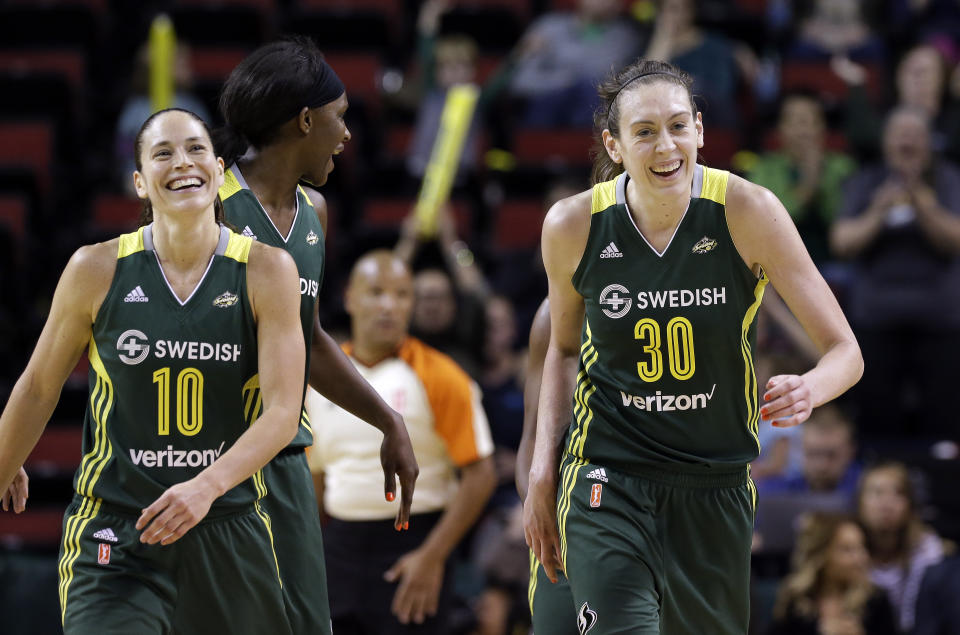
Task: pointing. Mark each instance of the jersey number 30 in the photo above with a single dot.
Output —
(189, 401)
(680, 356)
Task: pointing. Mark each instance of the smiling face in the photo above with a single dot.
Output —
(177, 168)
(658, 139)
(326, 134)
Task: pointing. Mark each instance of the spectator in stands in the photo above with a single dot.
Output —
(137, 107)
(804, 174)
(829, 458)
(938, 612)
(836, 27)
(718, 65)
(828, 591)
(562, 56)
(448, 311)
(386, 582)
(901, 547)
(922, 80)
(900, 225)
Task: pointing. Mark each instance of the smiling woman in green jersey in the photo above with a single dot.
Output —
(179, 319)
(650, 508)
(284, 110)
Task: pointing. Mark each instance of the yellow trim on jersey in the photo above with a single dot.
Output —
(75, 525)
(532, 585)
(238, 247)
(753, 490)
(603, 196)
(265, 517)
(305, 420)
(304, 192)
(563, 507)
(230, 185)
(714, 185)
(749, 373)
(130, 243)
(101, 404)
(252, 401)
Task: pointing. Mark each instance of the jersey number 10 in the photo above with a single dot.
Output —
(189, 401)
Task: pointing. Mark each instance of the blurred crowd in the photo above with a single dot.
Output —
(848, 110)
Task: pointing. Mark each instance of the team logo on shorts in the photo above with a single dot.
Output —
(615, 301)
(312, 238)
(586, 619)
(704, 245)
(103, 553)
(595, 493)
(225, 299)
(132, 347)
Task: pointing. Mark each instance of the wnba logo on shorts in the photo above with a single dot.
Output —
(103, 553)
(595, 492)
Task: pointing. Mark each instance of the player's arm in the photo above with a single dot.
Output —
(766, 237)
(335, 377)
(67, 332)
(420, 571)
(536, 352)
(272, 284)
(565, 231)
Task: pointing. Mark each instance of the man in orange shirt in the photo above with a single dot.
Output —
(384, 582)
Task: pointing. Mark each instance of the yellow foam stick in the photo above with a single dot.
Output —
(445, 156)
(163, 44)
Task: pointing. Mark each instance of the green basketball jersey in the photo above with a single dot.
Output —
(666, 364)
(305, 243)
(171, 383)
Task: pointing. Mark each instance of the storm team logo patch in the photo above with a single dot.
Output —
(586, 619)
(312, 238)
(704, 245)
(225, 299)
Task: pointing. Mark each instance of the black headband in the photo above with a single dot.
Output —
(326, 88)
(633, 79)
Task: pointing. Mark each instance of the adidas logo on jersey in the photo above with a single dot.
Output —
(611, 251)
(248, 232)
(107, 535)
(137, 295)
(599, 474)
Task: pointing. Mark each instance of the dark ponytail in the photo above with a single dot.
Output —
(146, 214)
(607, 115)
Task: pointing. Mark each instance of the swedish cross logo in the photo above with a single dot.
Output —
(595, 492)
(225, 299)
(704, 245)
(312, 238)
(133, 347)
(611, 251)
(615, 301)
(586, 619)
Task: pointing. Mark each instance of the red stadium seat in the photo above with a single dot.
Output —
(58, 451)
(360, 73)
(113, 213)
(67, 63)
(214, 64)
(389, 213)
(265, 6)
(40, 527)
(820, 78)
(518, 224)
(28, 144)
(570, 146)
(719, 146)
(388, 8)
(13, 215)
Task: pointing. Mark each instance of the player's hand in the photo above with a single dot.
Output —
(540, 523)
(177, 511)
(420, 574)
(16, 495)
(787, 400)
(397, 459)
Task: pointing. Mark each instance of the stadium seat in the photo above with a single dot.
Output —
(74, 25)
(566, 146)
(518, 224)
(820, 78)
(35, 527)
(58, 451)
(719, 146)
(13, 215)
(363, 27)
(205, 24)
(360, 73)
(28, 144)
(390, 213)
(69, 64)
(114, 213)
(389, 9)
